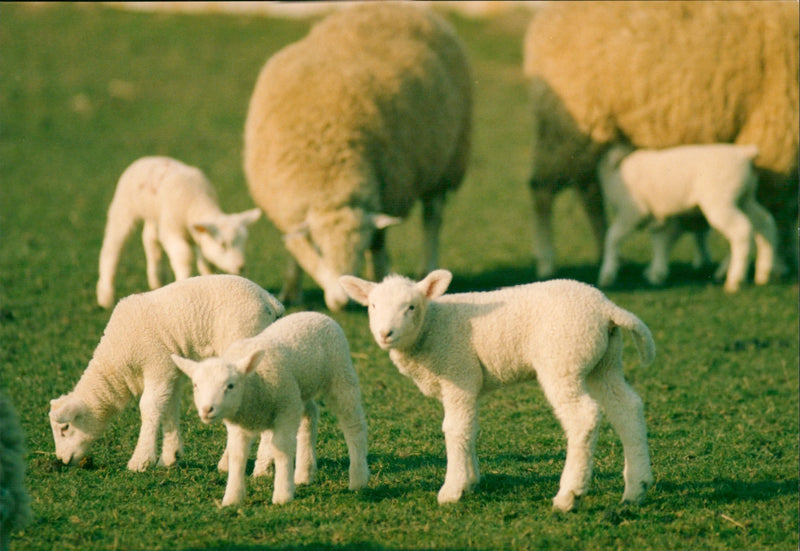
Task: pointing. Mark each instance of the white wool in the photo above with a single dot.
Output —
(659, 185)
(269, 384)
(565, 333)
(181, 213)
(196, 317)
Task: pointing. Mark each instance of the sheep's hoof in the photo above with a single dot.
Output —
(141, 465)
(566, 503)
(281, 499)
(447, 495)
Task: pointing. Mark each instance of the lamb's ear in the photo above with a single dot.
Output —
(64, 409)
(249, 216)
(247, 364)
(435, 283)
(206, 227)
(382, 221)
(356, 288)
(184, 364)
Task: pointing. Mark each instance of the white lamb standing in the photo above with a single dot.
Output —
(458, 347)
(719, 179)
(180, 211)
(269, 383)
(196, 317)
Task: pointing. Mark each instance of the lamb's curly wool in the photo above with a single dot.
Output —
(196, 317)
(15, 511)
(656, 75)
(564, 333)
(270, 383)
(368, 113)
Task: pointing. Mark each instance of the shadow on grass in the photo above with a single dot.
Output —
(726, 490)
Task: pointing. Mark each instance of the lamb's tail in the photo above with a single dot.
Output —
(642, 337)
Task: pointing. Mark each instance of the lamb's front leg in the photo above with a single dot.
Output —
(151, 408)
(460, 427)
(237, 450)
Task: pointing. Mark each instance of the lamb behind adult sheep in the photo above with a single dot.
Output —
(15, 511)
(348, 127)
(196, 318)
(566, 334)
(269, 383)
(180, 212)
(658, 75)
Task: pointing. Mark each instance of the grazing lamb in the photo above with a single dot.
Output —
(348, 127)
(658, 184)
(458, 347)
(660, 75)
(269, 383)
(196, 317)
(15, 511)
(179, 208)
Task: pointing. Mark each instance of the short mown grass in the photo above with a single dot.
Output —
(85, 90)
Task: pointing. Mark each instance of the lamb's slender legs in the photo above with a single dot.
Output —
(118, 227)
(306, 464)
(172, 445)
(152, 254)
(179, 253)
(460, 427)
(344, 401)
(579, 415)
(284, 449)
(151, 406)
(766, 237)
(543, 198)
(661, 241)
(203, 267)
(237, 449)
(432, 209)
(737, 229)
(624, 409)
(264, 454)
(623, 225)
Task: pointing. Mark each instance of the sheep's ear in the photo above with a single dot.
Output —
(205, 227)
(249, 216)
(247, 364)
(382, 221)
(435, 283)
(184, 364)
(64, 409)
(356, 288)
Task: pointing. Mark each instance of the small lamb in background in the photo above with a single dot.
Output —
(719, 179)
(180, 210)
(196, 317)
(564, 333)
(269, 383)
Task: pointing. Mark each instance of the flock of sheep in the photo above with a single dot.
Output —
(647, 111)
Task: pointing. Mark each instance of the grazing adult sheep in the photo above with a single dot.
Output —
(348, 127)
(196, 317)
(659, 75)
(719, 179)
(566, 334)
(15, 511)
(180, 211)
(269, 383)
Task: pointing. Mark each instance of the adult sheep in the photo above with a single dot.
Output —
(348, 127)
(657, 75)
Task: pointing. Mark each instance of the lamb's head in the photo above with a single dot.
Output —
(338, 240)
(222, 239)
(218, 383)
(397, 306)
(75, 428)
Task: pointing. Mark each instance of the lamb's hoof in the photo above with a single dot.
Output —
(140, 465)
(656, 279)
(566, 503)
(105, 297)
(637, 495)
(282, 498)
(449, 495)
(606, 279)
(261, 468)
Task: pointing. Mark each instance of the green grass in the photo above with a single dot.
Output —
(85, 90)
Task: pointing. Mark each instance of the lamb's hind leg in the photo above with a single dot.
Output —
(625, 411)
(766, 237)
(172, 446)
(306, 464)
(579, 415)
(118, 227)
(344, 401)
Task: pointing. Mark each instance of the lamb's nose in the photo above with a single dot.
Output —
(208, 410)
(386, 333)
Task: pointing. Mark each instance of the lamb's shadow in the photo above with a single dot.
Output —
(724, 490)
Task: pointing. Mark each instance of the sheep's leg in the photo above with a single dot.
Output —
(264, 454)
(306, 464)
(624, 409)
(292, 292)
(151, 406)
(344, 400)
(543, 198)
(284, 448)
(179, 253)
(766, 237)
(623, 225)
(118, 227)
(592, 197)
(432, 209)
(172, 446)
(309, 259)
(579, 415)
(460, 427)
(238, 449)
(152, 254)
(737, 229)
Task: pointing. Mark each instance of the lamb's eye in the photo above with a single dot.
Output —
(230, 386)
(64, 429)
(410, 308)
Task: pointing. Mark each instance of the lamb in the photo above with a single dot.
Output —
(15, 510)
(658, 184)
(196, 317)
(269, 383)
(659, 75)
(458, 347)
(347, 128)
(180, 210)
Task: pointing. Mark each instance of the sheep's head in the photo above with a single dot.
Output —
(397, 305)
(75, 428)
(218, 383)
(222, 239)
(332, 243)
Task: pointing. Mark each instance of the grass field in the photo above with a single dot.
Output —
(85, 90)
